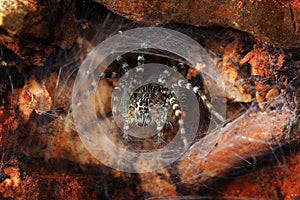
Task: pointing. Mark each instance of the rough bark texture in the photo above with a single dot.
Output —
(273, 21)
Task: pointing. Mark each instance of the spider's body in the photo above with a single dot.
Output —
(148, 104)
(151, 105)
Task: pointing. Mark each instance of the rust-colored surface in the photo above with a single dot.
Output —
(279, 179)
(273, 21)
(39, 28)
(44, 158)
(246, 137)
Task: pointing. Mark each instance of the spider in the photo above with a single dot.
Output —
(152, 104)
(155, 104)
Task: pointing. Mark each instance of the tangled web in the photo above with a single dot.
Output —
(148, 98)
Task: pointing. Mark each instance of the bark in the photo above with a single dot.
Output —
(273, 21)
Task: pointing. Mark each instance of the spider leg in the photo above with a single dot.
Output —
(173, 102)
(203, 97)
(182, 68)
(160, 123)
(94, 84)
(126, 128)
(124, 65)
(210, 107)
(159, 129)
(141, 59)
(128, 82)
(178, 114)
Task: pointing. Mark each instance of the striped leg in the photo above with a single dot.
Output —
(178, 114)
(203, 97)
(173, 102)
